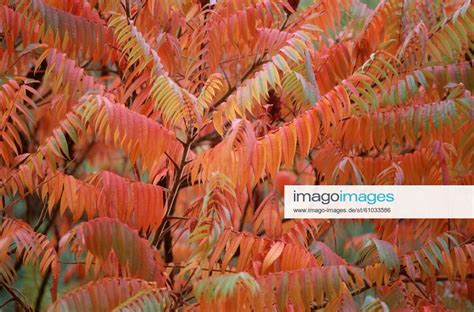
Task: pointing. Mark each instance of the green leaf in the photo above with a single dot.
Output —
(387, 255)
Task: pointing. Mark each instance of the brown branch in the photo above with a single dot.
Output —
(42, 290)
(13, 292)
(161, 234)
(7, 302)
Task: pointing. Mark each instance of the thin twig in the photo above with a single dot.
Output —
(13, 292)
(159, 236)
(42, 289)
(7, 302)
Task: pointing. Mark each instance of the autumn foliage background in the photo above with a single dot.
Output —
(145, 146)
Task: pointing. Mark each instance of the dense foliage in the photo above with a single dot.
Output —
(145, 145)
